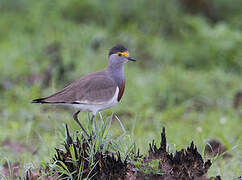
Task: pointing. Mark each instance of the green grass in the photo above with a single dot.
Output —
(185, 79)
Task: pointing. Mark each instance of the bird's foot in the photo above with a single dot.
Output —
(93, 134)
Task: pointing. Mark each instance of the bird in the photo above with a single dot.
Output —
(95, 91)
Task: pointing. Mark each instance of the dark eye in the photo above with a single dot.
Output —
(119, 54)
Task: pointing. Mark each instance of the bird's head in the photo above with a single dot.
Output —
(119, 55)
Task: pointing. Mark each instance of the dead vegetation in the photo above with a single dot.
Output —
(80, 159)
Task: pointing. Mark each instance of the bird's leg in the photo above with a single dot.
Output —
(68, 138)
(78, 122)
(92, 118)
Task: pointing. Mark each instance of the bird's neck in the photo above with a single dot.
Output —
(116, 72)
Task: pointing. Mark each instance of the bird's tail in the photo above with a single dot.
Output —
(40, 100)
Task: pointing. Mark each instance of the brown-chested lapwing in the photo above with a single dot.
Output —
(96, 91)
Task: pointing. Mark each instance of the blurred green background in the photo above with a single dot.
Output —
(188, 72)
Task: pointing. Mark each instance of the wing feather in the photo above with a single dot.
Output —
(93, 88)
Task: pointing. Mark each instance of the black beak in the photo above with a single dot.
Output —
(131, 59)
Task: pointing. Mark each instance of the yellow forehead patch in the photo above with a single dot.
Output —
(126, 53)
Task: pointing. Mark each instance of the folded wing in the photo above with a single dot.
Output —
(93, 88)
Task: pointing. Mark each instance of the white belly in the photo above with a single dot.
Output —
(95, 107)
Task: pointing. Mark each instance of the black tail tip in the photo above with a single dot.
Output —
(38, 100)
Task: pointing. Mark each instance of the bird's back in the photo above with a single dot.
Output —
(93, 88)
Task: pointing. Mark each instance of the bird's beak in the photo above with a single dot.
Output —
(126, 54)
(131, 59)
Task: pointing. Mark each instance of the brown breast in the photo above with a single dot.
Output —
(121, 91)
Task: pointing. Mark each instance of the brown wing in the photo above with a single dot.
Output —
(94, 87)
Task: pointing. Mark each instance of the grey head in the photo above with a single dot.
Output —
(118, 56)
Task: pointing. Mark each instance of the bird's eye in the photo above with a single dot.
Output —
(119, 54)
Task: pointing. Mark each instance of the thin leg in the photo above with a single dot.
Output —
(78, 122)
(68, 138)
(92, 118)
